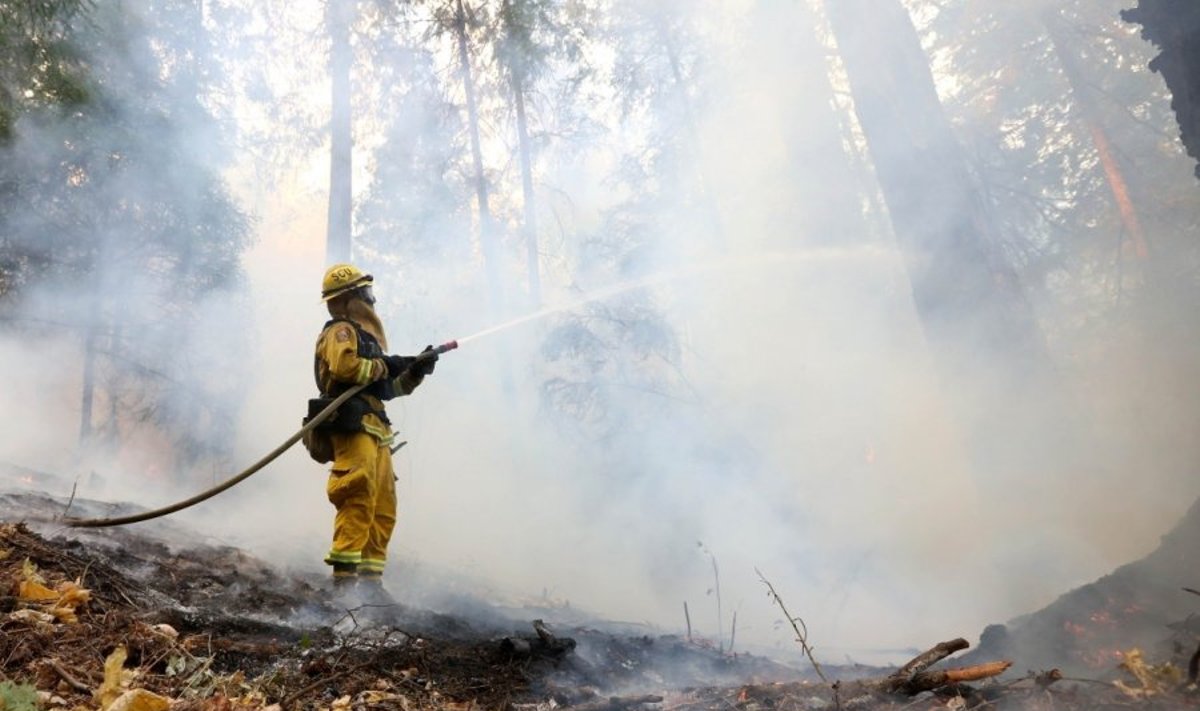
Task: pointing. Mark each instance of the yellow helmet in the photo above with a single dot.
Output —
(341, 278)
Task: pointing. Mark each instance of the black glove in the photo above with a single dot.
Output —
(397, 365)
(423, 364)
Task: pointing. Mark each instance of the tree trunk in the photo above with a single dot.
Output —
(530, 226)
(1174, 26)
(1086, 109)
(980, 328)
(707, 199)
(486, 237)
(338, 18)
(825, 206)
(89, 384)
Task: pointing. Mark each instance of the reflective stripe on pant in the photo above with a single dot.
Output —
(363, 489)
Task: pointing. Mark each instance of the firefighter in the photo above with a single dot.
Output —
(352, 350)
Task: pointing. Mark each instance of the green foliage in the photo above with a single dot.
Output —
(1056, 106)
(18, 697)
(531, 36)
(114, 219)
(1031, 123)
(38, 67)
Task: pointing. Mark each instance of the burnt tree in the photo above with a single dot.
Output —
(1174, 26)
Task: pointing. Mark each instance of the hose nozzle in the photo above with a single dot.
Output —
(438, 350)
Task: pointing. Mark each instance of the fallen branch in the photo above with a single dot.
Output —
(930, 680)
(909, 680)
(71, 681)
(928, 658)
(545, 644)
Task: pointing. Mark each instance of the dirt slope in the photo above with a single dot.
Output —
(1144, 604)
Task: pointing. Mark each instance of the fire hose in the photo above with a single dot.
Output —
(270, 457)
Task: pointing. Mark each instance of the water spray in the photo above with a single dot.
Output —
(597, 295)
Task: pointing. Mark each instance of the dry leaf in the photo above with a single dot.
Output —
(375, 696)
(29, 571)
(115, 678)
(166, 630)
(1151, 679)
(72, 594)
(32, 616)
(140, 700)
(34, 591)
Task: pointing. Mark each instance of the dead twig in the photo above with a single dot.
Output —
(299, 693)
(717, 590)
(71, 500)
(71, 680)
(797, 624)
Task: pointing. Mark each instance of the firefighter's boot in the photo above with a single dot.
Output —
(345, 584)
(372, 592)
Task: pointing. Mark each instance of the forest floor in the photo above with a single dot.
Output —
(118, 620)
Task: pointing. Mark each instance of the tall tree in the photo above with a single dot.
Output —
(519, 57)
(1174, 26)
(785, 91)
(415, 217)
(339, 17)
(968, 297)
(659, 78)
(1074, 147)
(115, 221)
(462, 24)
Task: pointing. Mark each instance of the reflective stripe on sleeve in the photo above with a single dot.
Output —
(365, 368)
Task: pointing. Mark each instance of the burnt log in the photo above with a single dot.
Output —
(928, 658)
(1046, 678)
(544, 644)
(909, 680)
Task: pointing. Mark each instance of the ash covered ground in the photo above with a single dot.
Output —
(130, 618)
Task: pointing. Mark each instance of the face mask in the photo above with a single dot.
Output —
(367, 294)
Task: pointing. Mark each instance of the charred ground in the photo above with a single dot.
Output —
(209, 626)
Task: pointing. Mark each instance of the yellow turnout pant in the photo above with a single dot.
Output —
(363, 488)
